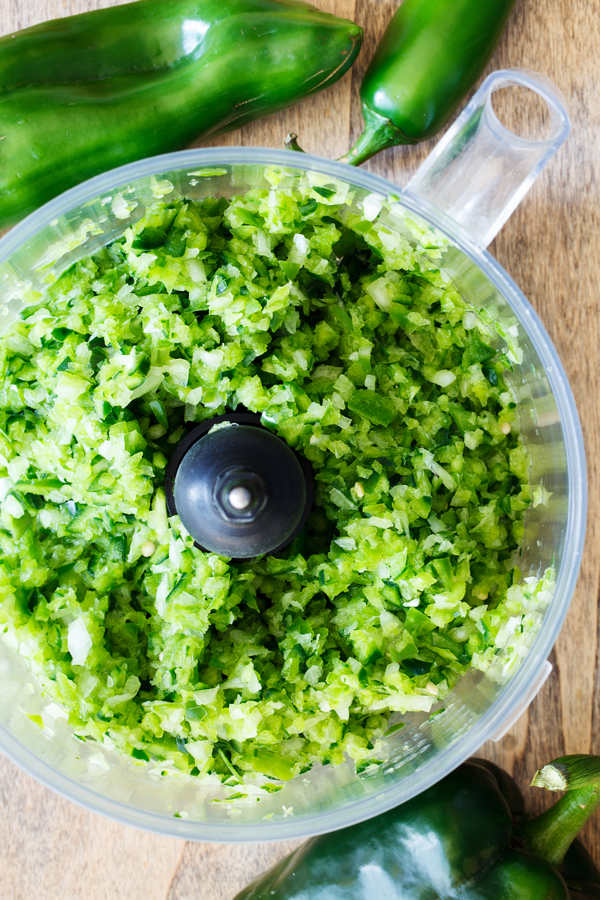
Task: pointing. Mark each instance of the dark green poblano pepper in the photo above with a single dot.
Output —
(81, 95)
(466, 838)
(431, 55)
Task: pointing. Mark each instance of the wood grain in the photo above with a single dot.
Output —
(50, 849)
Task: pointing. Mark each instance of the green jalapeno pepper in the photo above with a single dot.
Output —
(431, 55)
(83, 94)
(466, 838)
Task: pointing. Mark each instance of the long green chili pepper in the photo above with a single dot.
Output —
(81, 95)
(430, 56)
(466, 838)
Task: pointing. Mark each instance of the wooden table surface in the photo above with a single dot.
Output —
(50, 848)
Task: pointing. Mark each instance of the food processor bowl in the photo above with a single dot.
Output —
(466, 212)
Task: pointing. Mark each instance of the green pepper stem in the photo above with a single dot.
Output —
(378, 135)
(550, 835)
(569, 772)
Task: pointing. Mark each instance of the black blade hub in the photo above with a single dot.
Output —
(238, 489)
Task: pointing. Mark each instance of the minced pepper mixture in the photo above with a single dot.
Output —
(351, 342)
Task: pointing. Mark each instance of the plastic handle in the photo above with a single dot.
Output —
(532, 692)
(480, 171)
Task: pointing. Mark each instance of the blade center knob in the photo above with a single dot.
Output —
(240, 494)
(240, 498)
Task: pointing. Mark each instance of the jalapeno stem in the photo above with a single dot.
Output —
(379, 134)
(550, 835)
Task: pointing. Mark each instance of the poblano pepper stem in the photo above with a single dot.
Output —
(550, 835)
(431, 55)
(291, 143)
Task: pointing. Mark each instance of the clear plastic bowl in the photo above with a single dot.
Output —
(327, 798)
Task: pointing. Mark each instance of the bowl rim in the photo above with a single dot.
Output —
(495, 718)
